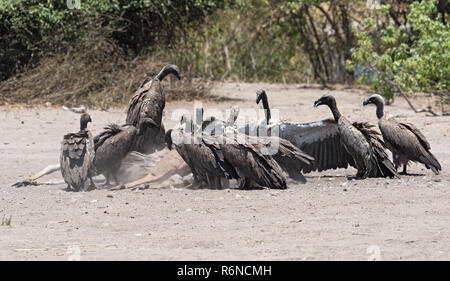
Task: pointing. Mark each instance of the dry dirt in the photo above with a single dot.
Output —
(328, 218)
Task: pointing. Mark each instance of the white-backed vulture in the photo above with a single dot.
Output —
(214, 158)
(148, 102)
(320, 139)
(77, 156)
(114, 143)
(204, 159)
(362, 142)
(290, 158)
(251, 164)
(404, 140)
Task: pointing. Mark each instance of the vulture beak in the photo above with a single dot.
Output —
(317, 103)
(259, 95)
(367, 101)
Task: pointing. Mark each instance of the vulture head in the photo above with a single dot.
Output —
(330, 101)
(379, 102)
(169, 69)
(168, 139)
(84, 120)
(375, 99)
(146, 123)
(260, 95)
(326, 99)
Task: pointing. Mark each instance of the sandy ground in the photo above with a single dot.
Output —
(328, 218)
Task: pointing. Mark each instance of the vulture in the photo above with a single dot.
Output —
(320, 139)
(215, 158)
(148, 102)
(114, 143)
(77, 156)
(362, 142)
(251, 164)
(404, 140)
(290, 158)
(205, 160)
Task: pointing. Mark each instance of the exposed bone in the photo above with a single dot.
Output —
(32, 180)
(80, 109)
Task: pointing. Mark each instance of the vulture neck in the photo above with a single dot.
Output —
(83, 125)
(380, 110)
(266, 108)
(336, 114)
(166, 71)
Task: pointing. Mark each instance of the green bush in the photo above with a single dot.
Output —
(406, 58)
(32, 28)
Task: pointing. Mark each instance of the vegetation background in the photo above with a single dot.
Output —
(96, 52)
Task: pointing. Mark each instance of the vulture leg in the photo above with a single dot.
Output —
(92, 186)
(107, 183)
(360, 175)
(115, 178)
(404, 170)
(245, 183)
(224, 183)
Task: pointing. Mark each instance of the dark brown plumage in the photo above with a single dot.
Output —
(149, 102)
(77, 156)
(213, 159)
(362, 142)
(251, 164)
(290, 158)
(204, 159)
(404, 140)
(320, 140)
(113, 144)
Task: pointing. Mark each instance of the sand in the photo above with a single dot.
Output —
(328, 218)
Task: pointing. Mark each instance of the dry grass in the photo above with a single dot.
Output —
(97, 76)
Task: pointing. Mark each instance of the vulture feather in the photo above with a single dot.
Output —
(290, 158)
(404, 140)
(362, 142)
(320, 139)
(77, 156)
(148, 102)
(114, 143)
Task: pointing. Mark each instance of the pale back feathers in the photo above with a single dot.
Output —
(77, 158)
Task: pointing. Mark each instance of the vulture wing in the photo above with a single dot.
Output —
(382, 165)
(321, 140)
(108, 131)
(408, 140)
(76, 158)
(418, 134)
(251, 164)
(134, 106)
